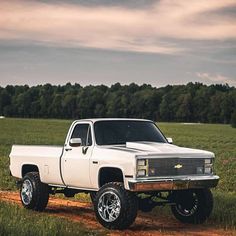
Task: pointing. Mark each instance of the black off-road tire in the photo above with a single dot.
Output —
(203, 204)
(40, 192)
(128, 203)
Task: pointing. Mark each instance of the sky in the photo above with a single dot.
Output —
(156, 42)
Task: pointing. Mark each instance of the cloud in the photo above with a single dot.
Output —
(217, 79)
(115, 27)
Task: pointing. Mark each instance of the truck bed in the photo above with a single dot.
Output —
(46, 158)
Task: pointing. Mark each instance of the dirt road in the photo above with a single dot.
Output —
(145, 224)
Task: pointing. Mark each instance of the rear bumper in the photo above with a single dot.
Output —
(177, 183)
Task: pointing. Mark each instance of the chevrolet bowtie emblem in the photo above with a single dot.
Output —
(178, 166)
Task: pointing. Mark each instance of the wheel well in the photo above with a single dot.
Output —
(28, 168)
(110, 174)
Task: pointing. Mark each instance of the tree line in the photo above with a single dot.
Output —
(194, 102)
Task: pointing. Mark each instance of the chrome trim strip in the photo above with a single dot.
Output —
(72, 187)
(158, 178)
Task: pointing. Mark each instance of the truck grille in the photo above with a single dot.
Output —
(175, 166)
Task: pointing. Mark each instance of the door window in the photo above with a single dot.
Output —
(83, 131)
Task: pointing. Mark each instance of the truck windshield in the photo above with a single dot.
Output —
(122, 131)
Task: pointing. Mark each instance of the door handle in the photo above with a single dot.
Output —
(68, 149)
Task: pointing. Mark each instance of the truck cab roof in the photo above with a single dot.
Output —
(109, 119)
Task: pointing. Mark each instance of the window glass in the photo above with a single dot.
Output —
(122, 131)
(83, 131)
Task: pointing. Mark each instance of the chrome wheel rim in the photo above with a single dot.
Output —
(26, 192)
(109, 206)
(186, 210)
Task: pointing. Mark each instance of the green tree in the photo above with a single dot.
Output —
(5, 101)
(166, 108)
(191, 102)
(233, 119)
(184, 112)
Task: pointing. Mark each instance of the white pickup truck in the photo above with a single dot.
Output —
(125, 164)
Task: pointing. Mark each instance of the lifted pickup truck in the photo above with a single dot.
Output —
(125, 164)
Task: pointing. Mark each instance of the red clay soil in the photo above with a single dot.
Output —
(145, 224)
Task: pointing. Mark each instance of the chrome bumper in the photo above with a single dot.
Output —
(178, 183)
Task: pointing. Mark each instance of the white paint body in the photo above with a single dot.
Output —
(58, 167)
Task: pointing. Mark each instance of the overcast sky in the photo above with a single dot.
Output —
(104, 42)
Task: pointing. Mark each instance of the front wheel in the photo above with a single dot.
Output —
(115, 207)
(34, 194)
(192, 206)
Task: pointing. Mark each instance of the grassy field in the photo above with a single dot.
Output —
(220, 139)
(15, 220)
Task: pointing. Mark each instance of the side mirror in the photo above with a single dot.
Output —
(75, 142)
(169, 140)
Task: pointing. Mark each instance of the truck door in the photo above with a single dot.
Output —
(75, 161)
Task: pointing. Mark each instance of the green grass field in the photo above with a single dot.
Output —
(15, 220)
(220, 139)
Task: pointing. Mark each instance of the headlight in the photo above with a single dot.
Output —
(142, 167)
(208, 166)
(208, 161)
(142, 162)
(141, 173)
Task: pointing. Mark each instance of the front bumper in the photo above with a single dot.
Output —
(177, 183)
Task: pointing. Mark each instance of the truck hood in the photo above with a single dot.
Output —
(161, 149)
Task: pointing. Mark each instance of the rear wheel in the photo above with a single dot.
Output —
(34, 194)
(115, 207)
(192, 206)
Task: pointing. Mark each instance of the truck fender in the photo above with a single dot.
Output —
(114, 178)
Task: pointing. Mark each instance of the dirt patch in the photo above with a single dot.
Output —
(145, 224)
